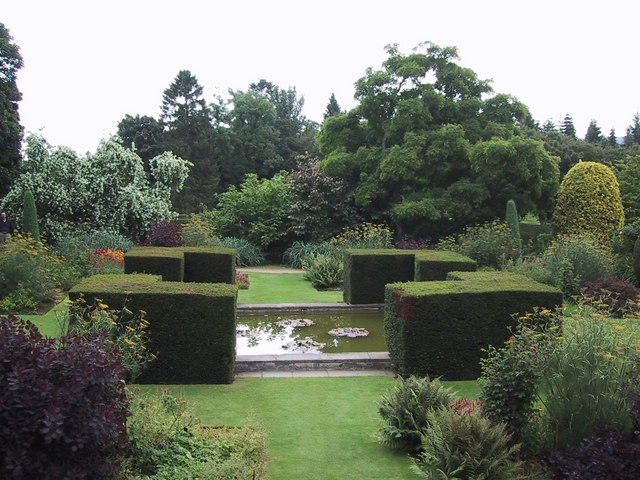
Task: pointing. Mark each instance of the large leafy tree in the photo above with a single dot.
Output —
(257, 211)
(107, 190)
(142, 133)
(254, 136)
(296, 134)
(408, 148)
(10, 128)
(322, 205)
(189, 134)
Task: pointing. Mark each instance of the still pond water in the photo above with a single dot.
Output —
(261, 335)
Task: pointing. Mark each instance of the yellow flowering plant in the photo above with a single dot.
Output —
(123, 329)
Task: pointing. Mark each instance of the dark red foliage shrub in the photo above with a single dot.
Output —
(164, 234)
(618, 295)
(63, 406)
(406, 243)
(608, 456)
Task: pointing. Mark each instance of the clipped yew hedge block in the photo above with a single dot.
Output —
(184, 264)
(436, 264)
(440, 328)
(209, 264)
(367, 271)
(165, 261)
(191, 325)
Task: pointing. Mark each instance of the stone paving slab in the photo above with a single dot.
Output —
(316, 374)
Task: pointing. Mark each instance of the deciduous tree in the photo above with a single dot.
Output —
(10, 128)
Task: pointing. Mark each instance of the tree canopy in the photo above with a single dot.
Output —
(10, 128)
(430, 146)
(107, 190)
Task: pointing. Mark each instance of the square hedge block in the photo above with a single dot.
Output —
(209, 264)
(440, 328)
(366, 272)
(184, 264)
(165, 261)
(192, 326)
(436, 264)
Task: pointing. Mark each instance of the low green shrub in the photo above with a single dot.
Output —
(491, 244)
(298, 251)
(167, 442)
(88, 242)
(576, 259)
(533, 268)
(247, 254)
(30, 271)
(365, 235)
(405, 411)
(324, 271)
(511, 374)
(198, 231)
(467, 447)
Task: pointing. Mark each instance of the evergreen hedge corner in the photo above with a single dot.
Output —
(367, 271)
(440, 328)
(165, 261)
(209, 264)
(192, 326)
(436, 264)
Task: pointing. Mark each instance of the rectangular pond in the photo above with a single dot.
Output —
(296, 332)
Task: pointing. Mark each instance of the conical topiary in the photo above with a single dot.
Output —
(512, 220)
(30, 217)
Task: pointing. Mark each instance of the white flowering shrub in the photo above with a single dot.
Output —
(108, 190)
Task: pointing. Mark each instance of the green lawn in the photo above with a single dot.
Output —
(284, 288)
(48, 323)
(318, 428)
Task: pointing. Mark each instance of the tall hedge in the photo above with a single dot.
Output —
(440, 328)
(192, 326)
(30, 216)
(589, 202)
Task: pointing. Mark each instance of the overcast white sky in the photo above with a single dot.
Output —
(89, 63)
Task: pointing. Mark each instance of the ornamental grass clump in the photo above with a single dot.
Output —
(405, 411)
(581, 386)
(467, 446)
(324, 271)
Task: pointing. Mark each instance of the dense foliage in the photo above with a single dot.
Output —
(405, 411)
(10, 128)
(29, 274)
(589, 202)
(467, 446)
(63, 406)
(108, 190)
(427, 148)
(257, 211)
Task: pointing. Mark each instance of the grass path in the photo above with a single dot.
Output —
(318, 428)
